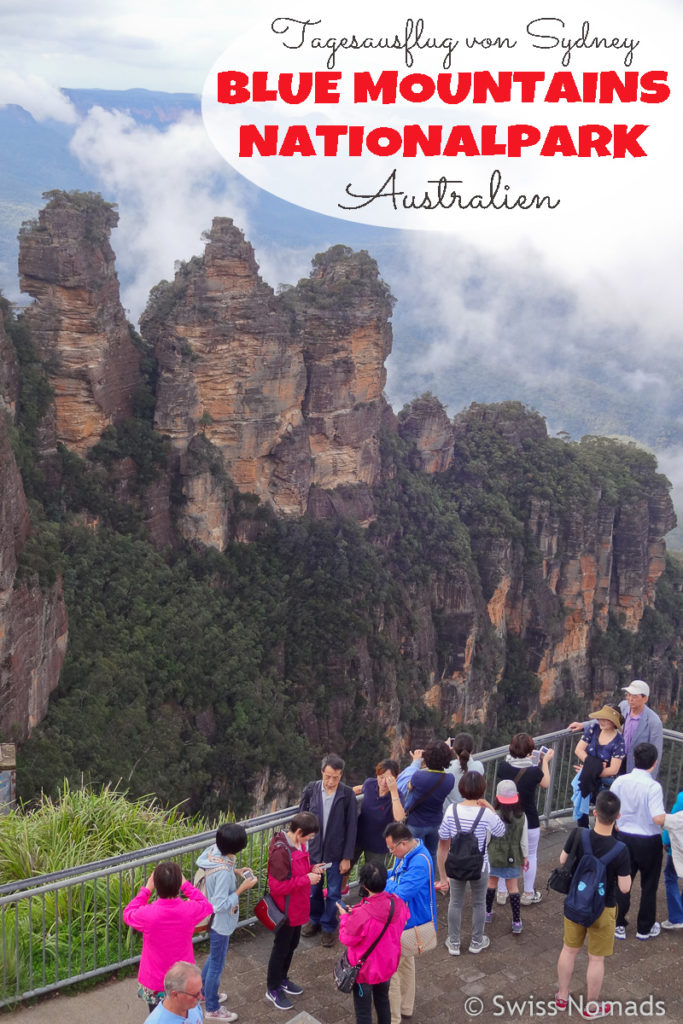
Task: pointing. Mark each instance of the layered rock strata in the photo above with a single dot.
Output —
(77, 322)
(281, 396)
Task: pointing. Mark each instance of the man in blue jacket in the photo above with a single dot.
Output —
(411, 878)
(335, 807)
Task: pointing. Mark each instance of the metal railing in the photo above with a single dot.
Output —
(65, 927)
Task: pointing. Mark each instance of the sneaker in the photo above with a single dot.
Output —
(560, 1003)
(220, 1014)
(279, 999)
(501, 898)
(328, 939)
(527, 898)
(620, 931)
(652, 934)
(672, 924)
(593, 1010)
(477, 947)
(489, 916)
(517, 927)
(452, 947)
(222, 997)
(291, 988)
(312, 928)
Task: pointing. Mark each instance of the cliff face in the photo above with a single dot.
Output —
(595, 558)
(9, 372)
(485, 538)
(33, 627)
(286, 391)
(77, 322)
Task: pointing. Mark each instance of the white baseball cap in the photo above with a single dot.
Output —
(638, 688)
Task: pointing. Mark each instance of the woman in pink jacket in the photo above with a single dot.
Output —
(290, 877)
(167, 926)
(358, 929)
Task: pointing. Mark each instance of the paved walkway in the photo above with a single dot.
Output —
(485, 988)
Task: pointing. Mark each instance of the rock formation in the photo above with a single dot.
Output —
(280, 396)
(77, 322)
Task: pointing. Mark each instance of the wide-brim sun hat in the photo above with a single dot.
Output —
(611, 714)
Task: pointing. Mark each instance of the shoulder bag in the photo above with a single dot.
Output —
(422, 937)
(561, 877)
(267, 910)
(345, 974)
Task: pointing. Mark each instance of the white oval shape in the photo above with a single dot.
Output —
(478, 196)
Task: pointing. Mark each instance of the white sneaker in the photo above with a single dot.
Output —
(501, 898)
(452, 947)
(652, 934)
(477, 947)
(220, 1014)
(527, 898)
(672, 924)
(222, 997)
(620, 931)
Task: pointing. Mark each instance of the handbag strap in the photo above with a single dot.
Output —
(369, 950)
(424, 796)
(519, 775)
(282, 846)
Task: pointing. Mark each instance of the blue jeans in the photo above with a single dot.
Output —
(674, 903)
(213, 968)
(429, 834)
(324, 910)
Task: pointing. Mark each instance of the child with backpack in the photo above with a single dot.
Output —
(508, 855)
(602, 865)
(462, 859)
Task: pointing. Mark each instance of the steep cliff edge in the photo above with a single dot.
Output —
(33, 626)
(565, 537)
(280, 396)
(402, 574)
(77, 321)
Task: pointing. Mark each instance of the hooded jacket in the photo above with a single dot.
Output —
(288, 870)
(221, 888)
(359, 929)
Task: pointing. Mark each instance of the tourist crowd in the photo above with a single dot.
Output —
(425, 830)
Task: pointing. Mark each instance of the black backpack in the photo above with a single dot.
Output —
(465, 860)
(586, 897)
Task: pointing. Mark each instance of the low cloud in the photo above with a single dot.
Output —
(168, 186)
(37, 96)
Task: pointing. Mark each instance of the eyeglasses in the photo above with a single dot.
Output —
(395, 846)
(197, 996)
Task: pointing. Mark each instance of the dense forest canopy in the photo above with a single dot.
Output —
(204, 676)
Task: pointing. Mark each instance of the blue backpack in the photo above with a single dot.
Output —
(586, 897)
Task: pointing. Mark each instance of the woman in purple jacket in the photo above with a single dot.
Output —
(358, 929)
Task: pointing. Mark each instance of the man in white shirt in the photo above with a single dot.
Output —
(642, 815)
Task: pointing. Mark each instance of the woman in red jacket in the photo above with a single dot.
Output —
(359, 927)
(290, 878)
